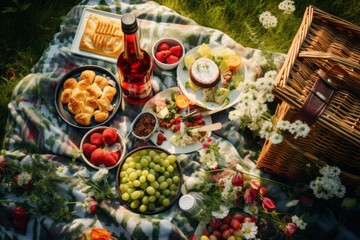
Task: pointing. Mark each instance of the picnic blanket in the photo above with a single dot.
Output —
(36, 137)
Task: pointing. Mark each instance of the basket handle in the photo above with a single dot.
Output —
(330, 56)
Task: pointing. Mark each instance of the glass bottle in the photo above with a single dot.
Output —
(134, 64)
(191, 203)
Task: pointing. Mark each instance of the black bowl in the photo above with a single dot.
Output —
(173, 197)
(62, 109)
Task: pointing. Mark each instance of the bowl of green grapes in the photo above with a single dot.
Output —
(149, 180)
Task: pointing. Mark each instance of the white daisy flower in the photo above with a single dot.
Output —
(249, 230)
(275, 138)
(100, 174)
(82, 172)
(287, 6)
(62, 171)
(223, 212)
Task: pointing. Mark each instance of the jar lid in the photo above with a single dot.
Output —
(128, 23)
(187, 202)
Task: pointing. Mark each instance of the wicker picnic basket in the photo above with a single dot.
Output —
(319, 83)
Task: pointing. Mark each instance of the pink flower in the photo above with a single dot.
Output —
(90, 205)
(238, 179)
(268, 204)
(249, 196)
(290, 229)
(255, 184)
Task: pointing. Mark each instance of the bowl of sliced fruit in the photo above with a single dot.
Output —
(149, 180)
(168, 53)
(103, 147)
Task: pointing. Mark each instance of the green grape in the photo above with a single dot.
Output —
(165, 192)
(125, 166)
(163, 185)
(152, 171)
(171, 158)
(124, 187)
(157, 167)
(173, 187)
(135, 204)
(138, 166)
(130, 190)
(152, 153)
(166, 202)
(152, 165)
(157, 194)
(162, 169)
(144, 185)
(156, 158)
(128, 159)
(130, 170)
(152, 198)
(173, 193)
(166, 174)
(144, 162)
(137, 159)
(143, 152)
(155, 184)
(125, 196)
(161, 179)
(132, 164)
(142, 208)
(150, 190)
(132, 176)
(145, 200)
(145, 173)
(163, 155)
(165, 163)
(136, 183)
(176, 179)
(124, 180)
(151, 207)
(142, 179)
(161, 199)
(123, 174)
(150, 177)
(170, 169)
(169, 181)
(135, 195)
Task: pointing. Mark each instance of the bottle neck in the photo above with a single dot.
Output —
(132, 46)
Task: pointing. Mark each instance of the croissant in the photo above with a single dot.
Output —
(94, 90)
(88, 75)
(79, 95)
(109, 92)
(91, 101)
(100, 116)
(83, 118)
(75, 106)
(66, 95)
(88, 110)
(101, 81)
(70, 83)
(83, 84)
(104, 104)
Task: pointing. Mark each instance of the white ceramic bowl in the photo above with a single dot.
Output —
(119, 145)
(150, 127)
(172, 42)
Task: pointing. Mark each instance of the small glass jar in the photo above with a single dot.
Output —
(191, 203)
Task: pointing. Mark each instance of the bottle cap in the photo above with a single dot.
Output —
(187, 202)
(129, 23)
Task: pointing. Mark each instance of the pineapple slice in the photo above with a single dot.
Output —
(205, 51)
(189, 60)
(192, 85)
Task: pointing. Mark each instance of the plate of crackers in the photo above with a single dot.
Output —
(98, 35)
(87, 97)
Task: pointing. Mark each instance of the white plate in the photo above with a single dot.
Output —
(168, 133)
(183, 76)
(80, 31)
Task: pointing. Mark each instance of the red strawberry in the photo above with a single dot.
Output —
(110, 135)
(227, 233)
(239, 216)
(88, 149)
(217, 234)
(160, 138)
(176, 51)
(215, 223)
(163, 46)
(172, 59)
(110, 159)
(160, 57)
(97, 157)
(96, 139)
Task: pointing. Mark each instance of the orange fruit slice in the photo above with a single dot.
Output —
(182, 101)
(234, 61)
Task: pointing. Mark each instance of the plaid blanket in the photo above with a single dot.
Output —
(36, 133)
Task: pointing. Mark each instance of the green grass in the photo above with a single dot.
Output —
(26, 32)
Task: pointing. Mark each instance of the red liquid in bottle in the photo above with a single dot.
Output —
(134, 66)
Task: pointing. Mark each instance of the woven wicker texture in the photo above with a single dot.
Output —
(326, 45)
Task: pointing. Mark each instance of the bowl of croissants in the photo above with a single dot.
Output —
(87, 96)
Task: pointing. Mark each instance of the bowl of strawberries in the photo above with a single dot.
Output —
(103, 147)
(168, 52)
